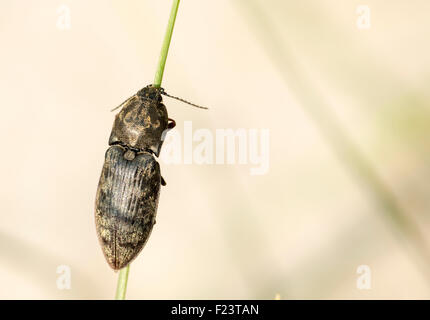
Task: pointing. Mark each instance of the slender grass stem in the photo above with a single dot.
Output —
(121, 288)
(166, 44)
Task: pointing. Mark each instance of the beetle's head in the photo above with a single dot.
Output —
(151, 92)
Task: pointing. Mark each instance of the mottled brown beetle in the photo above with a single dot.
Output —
(129, 186)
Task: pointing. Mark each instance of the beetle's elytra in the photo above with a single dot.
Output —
(129, 186)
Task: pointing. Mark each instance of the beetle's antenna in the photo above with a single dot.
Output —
(119, 105)
(182, 100)
(112, 110)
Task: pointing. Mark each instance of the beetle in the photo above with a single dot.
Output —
(130, 181)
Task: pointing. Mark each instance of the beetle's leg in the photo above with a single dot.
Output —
(163, 182)
(171, 124)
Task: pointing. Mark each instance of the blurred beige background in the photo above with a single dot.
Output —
(348, 112)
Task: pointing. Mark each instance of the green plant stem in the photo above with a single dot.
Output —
(121, 288)
(166, 44)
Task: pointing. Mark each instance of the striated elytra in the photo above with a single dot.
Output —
(129, 186)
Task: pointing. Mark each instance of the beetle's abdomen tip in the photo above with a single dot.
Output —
(118, 262)
(116, 265)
